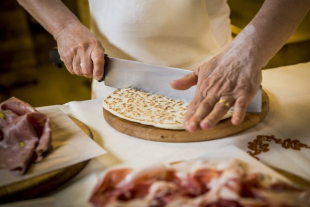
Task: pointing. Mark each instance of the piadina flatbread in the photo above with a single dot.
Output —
(148, 109)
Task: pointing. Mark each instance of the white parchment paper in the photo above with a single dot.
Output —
(70, 146)
(78, 194)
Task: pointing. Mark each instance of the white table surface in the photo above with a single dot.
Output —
(288, 121)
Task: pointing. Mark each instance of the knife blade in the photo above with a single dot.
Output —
(120, 73)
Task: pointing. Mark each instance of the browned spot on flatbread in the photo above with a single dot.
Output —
(149, 109)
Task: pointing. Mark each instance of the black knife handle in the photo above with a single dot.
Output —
(105, 67)
(55, 58)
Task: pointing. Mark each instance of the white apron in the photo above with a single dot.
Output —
(175, 33)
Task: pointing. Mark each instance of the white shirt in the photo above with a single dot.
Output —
(175, 33)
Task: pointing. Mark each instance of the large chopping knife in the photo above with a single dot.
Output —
(119, 73)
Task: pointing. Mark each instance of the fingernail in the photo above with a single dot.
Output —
(236, 120)
(190, 125)
(205, 125)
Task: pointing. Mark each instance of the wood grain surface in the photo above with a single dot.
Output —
(42, 184)
(222, 129)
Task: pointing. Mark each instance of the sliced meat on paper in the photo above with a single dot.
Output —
(196, 183)
(25, 135)
(101, 195)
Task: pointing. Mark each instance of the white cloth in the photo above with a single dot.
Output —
(175, 33)
(289, 92)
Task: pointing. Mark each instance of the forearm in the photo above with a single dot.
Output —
(233, 77)
(269, 30)
(53, 15)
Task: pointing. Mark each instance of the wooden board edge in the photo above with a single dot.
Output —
(151, 133)
(45, 183)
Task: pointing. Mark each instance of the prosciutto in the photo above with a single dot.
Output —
(25, 135)
(201, 183)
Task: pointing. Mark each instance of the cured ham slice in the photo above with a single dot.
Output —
(202, 183)
(25, 135)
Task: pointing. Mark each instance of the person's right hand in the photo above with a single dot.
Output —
(81, 51)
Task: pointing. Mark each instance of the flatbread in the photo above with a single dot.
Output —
(148, 109)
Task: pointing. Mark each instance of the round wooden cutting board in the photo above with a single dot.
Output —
(39, 185)
(222, 129)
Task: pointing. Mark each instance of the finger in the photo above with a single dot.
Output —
(69, 67)
(77, 66)
(200, 95)
(86, 65)
(219, 110)
(97, 56)
(239, 110)
(191, 109)
(185, 82)
(189, 125)
(67, 59)
(203, 109)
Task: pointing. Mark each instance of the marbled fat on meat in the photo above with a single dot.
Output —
(25, 135)
(200, 183)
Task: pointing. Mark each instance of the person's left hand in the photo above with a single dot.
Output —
(229, 79)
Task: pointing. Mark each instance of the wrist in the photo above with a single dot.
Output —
(65, 27)
(247, 46)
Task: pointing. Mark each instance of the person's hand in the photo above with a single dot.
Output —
(232, 78)
(81, 51)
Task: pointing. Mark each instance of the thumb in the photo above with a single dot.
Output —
(185, 82)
